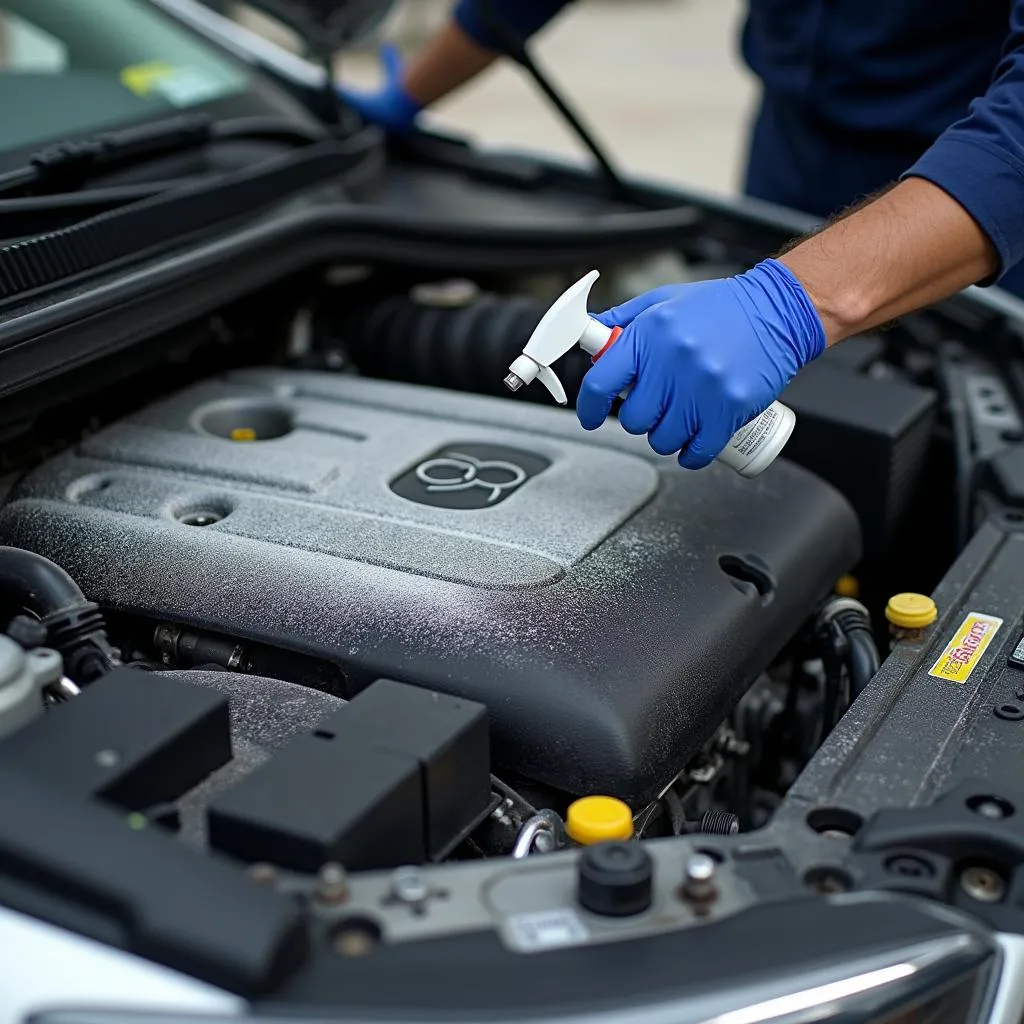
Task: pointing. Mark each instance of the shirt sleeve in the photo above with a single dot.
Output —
(979, 160)
(524, 17)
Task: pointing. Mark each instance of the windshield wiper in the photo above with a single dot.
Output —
(69, 165)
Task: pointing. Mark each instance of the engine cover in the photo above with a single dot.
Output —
(607, 607)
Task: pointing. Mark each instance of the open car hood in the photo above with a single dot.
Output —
(328, 25)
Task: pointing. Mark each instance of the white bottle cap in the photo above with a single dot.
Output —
(754, 447)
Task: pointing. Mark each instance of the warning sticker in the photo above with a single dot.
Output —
(966, 649)
(547, 929)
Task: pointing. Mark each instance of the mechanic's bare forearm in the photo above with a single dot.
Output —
(449, 60)
(913, 245)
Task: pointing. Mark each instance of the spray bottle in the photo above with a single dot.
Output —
(750, 451)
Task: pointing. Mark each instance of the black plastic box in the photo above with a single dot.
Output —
(325, 799)
(867, 437)
(132, 738)
(448, 736)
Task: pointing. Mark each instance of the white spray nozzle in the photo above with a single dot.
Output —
(750, 451)
(564, 325)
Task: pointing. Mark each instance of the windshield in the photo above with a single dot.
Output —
(69, 67)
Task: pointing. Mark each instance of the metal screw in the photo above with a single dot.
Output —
(699, 879)
(331, 883)
(409, 886)
(355, 941)
(107, 758)
(990, 809)
(264, 874)
(982, 884)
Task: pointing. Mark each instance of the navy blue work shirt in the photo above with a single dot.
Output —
(858, 93)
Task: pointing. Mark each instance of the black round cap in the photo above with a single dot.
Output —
(615, 879)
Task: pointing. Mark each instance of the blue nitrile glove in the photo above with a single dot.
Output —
(390, 105)
(703, 359)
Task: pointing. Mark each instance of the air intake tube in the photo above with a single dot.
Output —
(466, 348)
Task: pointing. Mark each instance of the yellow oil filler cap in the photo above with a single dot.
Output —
(598, 819)
(911, 611)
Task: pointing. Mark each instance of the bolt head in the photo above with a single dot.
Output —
(409, 886)
(990, 809)
(983, 884)
(332, 873)
(264, 874)
(331, 883)
(107, 758)
(700, 868)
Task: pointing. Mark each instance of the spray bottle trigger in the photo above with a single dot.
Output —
(550, 380)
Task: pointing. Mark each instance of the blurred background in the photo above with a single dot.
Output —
(659, 81)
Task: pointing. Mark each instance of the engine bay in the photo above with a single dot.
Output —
(307, 616)
(680, 642)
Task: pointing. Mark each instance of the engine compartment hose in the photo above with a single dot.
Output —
(863, 659)
(850, 620)
(465, 348)
(40, 585)
(74, 626)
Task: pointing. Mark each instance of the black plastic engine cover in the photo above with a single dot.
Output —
(607, 607)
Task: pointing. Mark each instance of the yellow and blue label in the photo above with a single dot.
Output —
(964, 652)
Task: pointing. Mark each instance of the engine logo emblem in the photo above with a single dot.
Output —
(469, 476)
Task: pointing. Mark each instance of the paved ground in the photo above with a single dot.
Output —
(659, 80)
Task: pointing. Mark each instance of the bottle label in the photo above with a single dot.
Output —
(747, 440)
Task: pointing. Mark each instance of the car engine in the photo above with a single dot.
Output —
(472, 546)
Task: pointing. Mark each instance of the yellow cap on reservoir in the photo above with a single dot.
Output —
(243, 434)
(911, 611)
(598, 819)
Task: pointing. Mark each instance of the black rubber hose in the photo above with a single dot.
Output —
(468, 348)
(845, 628)
(831, 703)
(862, 660)
(74, 626)
(36, 583)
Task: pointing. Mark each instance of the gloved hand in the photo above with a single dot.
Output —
(390, 106)
(703, 359)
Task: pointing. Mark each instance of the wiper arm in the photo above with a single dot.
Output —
(69, 165)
